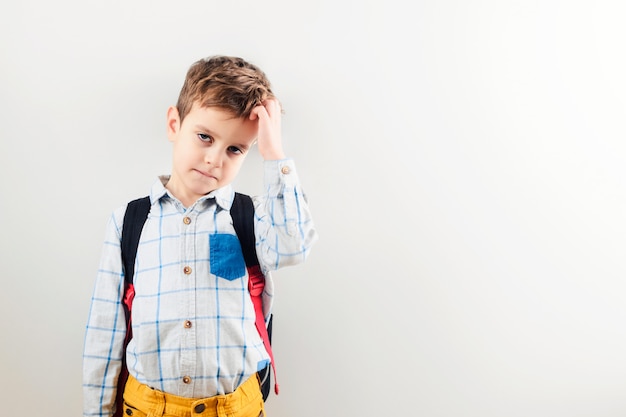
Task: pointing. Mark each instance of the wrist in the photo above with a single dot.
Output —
(273, 155)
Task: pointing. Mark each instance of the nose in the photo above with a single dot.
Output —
(213, 156)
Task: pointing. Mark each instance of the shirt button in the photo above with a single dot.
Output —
(285, 170)
(187, 270)
(186, 379)
(188, 324)
(186, 220)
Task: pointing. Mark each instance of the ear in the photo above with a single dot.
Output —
(173, 123)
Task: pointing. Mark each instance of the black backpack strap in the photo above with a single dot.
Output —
(134, 219)
(242, 212)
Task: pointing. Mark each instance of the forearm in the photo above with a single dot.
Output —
(102, 359)
(105, 331)
(284, 226)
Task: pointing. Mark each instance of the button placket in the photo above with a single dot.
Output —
(188, 334)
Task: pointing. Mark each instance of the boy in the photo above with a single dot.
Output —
(195, 349)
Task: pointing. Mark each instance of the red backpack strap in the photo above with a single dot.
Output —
(256, 285)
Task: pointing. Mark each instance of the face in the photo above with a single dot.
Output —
(208, 149)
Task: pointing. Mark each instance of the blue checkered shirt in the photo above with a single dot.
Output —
(194, 331)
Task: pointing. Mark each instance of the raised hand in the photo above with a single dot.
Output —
(269, 134)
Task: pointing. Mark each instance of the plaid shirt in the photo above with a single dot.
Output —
(193, 320)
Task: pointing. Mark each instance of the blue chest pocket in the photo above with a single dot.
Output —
(226, 257)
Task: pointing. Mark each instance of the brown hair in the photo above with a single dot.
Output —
(229, 83)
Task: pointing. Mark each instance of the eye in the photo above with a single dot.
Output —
(235, 150)
(205, 138)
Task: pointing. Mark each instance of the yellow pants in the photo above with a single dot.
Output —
(142, 401)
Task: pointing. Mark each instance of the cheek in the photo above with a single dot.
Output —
(187, 154)
(234, 166)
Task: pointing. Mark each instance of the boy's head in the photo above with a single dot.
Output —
(228, 83)
(211, 127)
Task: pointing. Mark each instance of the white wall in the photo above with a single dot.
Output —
(464, 161)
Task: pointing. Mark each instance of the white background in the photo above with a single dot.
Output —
(464, 161)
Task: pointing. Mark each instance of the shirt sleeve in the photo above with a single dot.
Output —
(284, 227)
(106, 327)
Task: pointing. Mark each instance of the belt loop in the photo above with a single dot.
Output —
(221, 408)
(159, 408)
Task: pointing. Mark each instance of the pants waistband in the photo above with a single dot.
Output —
(140, 396)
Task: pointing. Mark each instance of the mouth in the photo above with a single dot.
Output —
(206, 174)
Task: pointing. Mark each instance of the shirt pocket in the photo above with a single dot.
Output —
(226, 257)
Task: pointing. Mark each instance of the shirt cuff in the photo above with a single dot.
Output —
(282, 171)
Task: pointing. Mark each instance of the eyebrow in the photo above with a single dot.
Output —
(205, 129)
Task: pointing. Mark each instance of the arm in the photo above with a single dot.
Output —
(284, 228)
(283, 225)
(106, 328)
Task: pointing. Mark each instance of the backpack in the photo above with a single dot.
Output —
(242, 213)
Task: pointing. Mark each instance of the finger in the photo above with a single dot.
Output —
(272, 106)
(261, 112)
(254, 114)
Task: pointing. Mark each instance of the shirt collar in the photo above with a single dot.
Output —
(223, 196)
